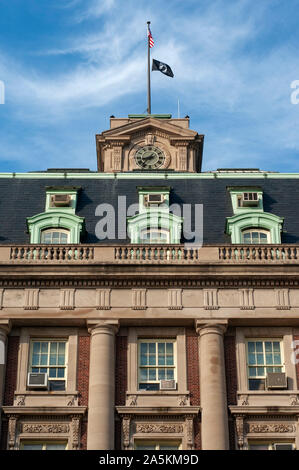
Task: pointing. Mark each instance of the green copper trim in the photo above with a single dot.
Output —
(55, 219)
(252, 219)
(155, 218)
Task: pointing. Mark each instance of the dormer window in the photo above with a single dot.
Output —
(154, 236)
(55, 236)
(255, 237)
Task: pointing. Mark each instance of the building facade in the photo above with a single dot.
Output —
(149, 305)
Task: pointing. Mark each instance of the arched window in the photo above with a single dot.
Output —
(255, 236)
(154, 235)
(56, 236)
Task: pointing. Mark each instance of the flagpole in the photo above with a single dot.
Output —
(148, 71)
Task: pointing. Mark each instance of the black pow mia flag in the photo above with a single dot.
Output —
(164, 68)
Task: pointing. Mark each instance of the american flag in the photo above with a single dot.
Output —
(150, 38)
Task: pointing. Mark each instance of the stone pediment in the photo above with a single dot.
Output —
(180, 147)
(148, 125)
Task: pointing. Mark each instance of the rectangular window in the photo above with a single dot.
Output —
(39, 445)
(49, 356)
(156, 362)
(263, 356)
(271, 446)
(157, 445)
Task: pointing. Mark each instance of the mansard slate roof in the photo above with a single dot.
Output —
(24, 195)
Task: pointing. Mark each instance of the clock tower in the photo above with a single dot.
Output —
(153, 142)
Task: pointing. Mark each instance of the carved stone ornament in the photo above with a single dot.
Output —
(189, 429)
(240, 430)
(244, 400)
(294, 400)
(163, 428)
(12, 427)
(20, 400)
(275, 428)
(45, 428)
(126, 431)
(75, 432)
(133, 400)
(183, 401)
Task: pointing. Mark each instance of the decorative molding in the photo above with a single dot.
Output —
(31, 299)
(244, 400)
(239, 422)
(175, 299)
(103, 299)
(153, 283)
(246, 299)
(12, 428)
(189, 432)
(53, 428)
(294, 400)
(282, 299)
(67, 299)
(132, 400)
(150, 139)
(183, 400)
(20, 400)
(275, 428)
(157, 428)
(75, 432)
(116, 158)
(211, 299)
(139, 299)
(182, 157)
(126, 421)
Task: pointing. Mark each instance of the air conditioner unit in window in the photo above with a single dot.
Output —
(250, 199)
(37, 380)
(60, 200)
(167, 385)
(151, 199)
(276, 380)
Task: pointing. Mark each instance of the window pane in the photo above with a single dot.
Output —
(276, 346)
(259, 346)
(169, 360)
(36, 347)
(35, 360)
(57, 385)
(161, 374)
(53, 359)
(260, 358)
(32, 447)
(44, 347)
(251, 347)
(143, 348)
(152, 360)
(269, 359)
(61, 348)
(268, 346)
(143, 360)
(61, 360)
(60, 372)
(43, 359)
(152, 374)
(55, 447)
(53, 372)
(152, 348)
(169, 374)
(143, 374)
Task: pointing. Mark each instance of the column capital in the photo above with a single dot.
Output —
(99, 326)
(214, 325)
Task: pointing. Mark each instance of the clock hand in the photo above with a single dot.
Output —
(148, 156)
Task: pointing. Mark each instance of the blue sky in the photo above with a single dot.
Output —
(67, 65)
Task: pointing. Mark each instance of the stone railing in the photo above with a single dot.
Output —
(259, 253)
(148, 254)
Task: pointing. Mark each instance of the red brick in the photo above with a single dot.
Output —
(193, 379)
(120, 381)
(83, 382)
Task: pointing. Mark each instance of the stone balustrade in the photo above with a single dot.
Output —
(148, 254)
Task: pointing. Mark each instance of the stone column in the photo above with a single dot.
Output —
(100, 432)
(4, 329)
(213, 400)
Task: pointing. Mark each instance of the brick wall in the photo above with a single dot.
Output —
(10, 381)
(83, 382)
(231, 381)
(120, 381)
(193, 379)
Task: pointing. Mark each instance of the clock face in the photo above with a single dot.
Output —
(149, 157)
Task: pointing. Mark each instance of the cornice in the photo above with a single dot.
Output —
(148, 283)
